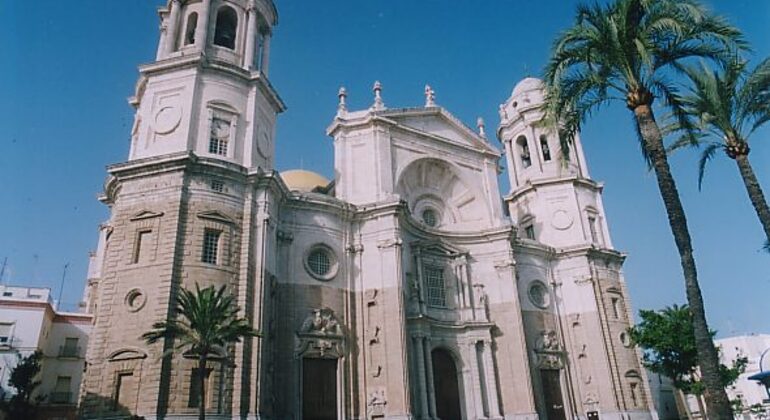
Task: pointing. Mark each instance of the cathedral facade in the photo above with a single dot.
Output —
(406, 288)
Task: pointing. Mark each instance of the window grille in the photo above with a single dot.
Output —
(319, 262)
(217, 185)
(434, 286)
(211, 245)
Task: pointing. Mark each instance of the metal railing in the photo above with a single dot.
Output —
(69, 351)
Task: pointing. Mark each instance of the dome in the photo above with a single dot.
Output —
(527, 85)
(302, 180)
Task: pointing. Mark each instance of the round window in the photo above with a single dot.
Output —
(321, 263)
(135, 300)
(430, 217)
(539, 295)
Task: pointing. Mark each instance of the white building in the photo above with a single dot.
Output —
(29, 322)
(408, 287)
(756, 347)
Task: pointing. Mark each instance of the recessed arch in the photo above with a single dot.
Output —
(523, 148)
(226, 28)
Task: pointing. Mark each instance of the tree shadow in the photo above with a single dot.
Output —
(94, 406)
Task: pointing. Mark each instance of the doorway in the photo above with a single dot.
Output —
(446, 386)
(554, 403)
(319, 389)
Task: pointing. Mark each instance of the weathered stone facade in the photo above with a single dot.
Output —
(402, 290)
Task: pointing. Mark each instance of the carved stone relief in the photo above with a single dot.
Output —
(548, 351)
(320, 335)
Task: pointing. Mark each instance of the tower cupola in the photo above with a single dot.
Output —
(234, 31)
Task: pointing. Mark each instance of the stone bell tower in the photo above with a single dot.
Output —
(183, 211)
(207, 91)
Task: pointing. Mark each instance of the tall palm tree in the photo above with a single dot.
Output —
(727, 107)
(206, 322)
(630, 50)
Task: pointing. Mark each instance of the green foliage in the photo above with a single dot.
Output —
(667, 338)
(631, 49)
(24, 379)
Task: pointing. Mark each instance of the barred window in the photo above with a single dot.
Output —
(434, 286)
(220, 136)
(319, 261)
(217, 185)
(211, 245)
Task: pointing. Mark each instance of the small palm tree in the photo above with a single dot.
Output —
(727, 107)
(631, 50)
(206, 322)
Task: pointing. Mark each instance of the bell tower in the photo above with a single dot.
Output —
(207, 91)
(552, 198)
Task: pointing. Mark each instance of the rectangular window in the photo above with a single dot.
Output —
(70, 348)
(61, 393)
(217, 185)
(545, 148)
(7, 294)
(211, 245)
(220, 136)
(5, 333)
(124, 384)
(529, 232)
(592, 227)
(141, 244)
(195, 388)
(616, 307)
(434, 286)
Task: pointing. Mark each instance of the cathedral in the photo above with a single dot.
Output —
(408, 287)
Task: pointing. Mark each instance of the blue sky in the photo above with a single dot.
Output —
(66, 70)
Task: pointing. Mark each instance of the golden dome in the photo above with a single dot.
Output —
(302, 180)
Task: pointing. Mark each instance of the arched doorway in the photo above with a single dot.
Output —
(445, 385)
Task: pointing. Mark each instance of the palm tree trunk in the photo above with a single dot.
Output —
(755, 192)
(708, 359)
(202, 387)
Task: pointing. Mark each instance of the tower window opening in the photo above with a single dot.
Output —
(210, 246)
(526, 159)
(529, 232)
(220, 136)
(616, 307)
(592, 227)
(227, 24)
(189, 32)
(545, 148)
(434, 286)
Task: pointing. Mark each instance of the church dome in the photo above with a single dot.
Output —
(527, 85)
(302, 180)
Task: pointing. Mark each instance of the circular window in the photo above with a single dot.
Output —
(539, 295)
(430, 217)
(321, 263)
(135, 299)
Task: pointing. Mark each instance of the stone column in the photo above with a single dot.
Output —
(429, 383)
(173, 28)
(202, 30)
(264, 61)
(422, 385)
(475, 386)
(160, 54)
(251, 37)
(489, 375)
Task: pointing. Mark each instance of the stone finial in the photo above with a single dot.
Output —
(342, 107)
(503, 113)
(378, 104)
(430, 97)
(480, 124)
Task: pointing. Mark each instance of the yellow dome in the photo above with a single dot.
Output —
(301, 180)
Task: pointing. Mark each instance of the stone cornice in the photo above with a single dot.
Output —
(574, 180)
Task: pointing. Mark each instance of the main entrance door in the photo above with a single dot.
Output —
(319, 389)
(554, 403)
(445, 386)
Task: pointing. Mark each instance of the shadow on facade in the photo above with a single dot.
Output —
(99, 407)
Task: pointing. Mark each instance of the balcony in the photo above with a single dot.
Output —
(69, 352)
(60, 398)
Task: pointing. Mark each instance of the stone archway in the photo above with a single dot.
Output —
(446, 385)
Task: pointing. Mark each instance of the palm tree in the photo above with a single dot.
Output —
(727, 107)
(206, 322)
(630, 51)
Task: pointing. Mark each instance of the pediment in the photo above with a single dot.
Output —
(441, 125)
(216, 216)
(128, 353)
(145, 214)
(437, 247)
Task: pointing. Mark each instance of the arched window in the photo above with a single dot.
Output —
(189, 31)
(526, 159)
(544, 147)
(227, 24)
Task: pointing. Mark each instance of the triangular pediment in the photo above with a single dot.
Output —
(216, 216)
(439, 124)
(437, 247)
(145, 214)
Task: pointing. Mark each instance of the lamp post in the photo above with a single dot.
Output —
(763, 377)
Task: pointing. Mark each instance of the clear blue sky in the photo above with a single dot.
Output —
(67, 67)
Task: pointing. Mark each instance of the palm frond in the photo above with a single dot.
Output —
(707, 154)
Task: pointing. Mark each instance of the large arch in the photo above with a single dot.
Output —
(446, 384)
